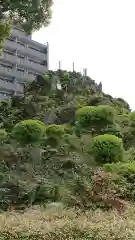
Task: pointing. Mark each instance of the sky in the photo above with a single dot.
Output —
(98, 35)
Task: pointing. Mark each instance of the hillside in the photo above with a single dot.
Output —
(69, 148)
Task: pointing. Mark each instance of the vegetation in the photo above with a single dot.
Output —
(30, 15)
(28, 131)
(107, 148)
(100, 115)
(67, 158)
(54, 222)
(4, 31)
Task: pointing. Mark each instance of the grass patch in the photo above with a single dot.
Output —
(56, 222)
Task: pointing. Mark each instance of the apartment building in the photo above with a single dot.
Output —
(21, 61)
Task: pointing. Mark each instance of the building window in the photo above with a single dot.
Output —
(32, 73)
(21, 43)
(20, 70)
(5, 79)
(8, 52)
(20, 56)
(44, 63)
(34, 61)
(3, 94)
(35, 49)
(37, 74)
(12, 39)
(5, 66)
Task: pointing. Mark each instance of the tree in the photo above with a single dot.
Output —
(4, 32)
(31, 14)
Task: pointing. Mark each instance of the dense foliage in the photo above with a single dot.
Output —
(29, 14)
(4, 31)
(57, 140)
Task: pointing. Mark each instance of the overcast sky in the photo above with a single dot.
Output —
(98, 35)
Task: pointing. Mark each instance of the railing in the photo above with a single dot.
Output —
(25, 50)
(20, 76)
(37, 66)
(23, 62)
(5, 69)
(7, 85)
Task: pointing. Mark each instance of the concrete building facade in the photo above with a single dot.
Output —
(21, 61)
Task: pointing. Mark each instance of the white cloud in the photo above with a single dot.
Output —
(98, 35)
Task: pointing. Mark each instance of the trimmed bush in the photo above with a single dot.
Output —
(29, 131)
(107, 148)
(91, 116)
(55, 131)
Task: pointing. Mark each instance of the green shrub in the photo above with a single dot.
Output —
(132, 118)
(95, 116)
(107, 148)
(29, 131)
(68, 129)
(55, 131)
(126, 170)
(54, 134)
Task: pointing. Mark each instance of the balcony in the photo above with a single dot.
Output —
(9, 86)
(24, 50)
(37, 67)
(5, 72)
(24, 77)
(17, 33)
(5, 57)
(20, 76)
